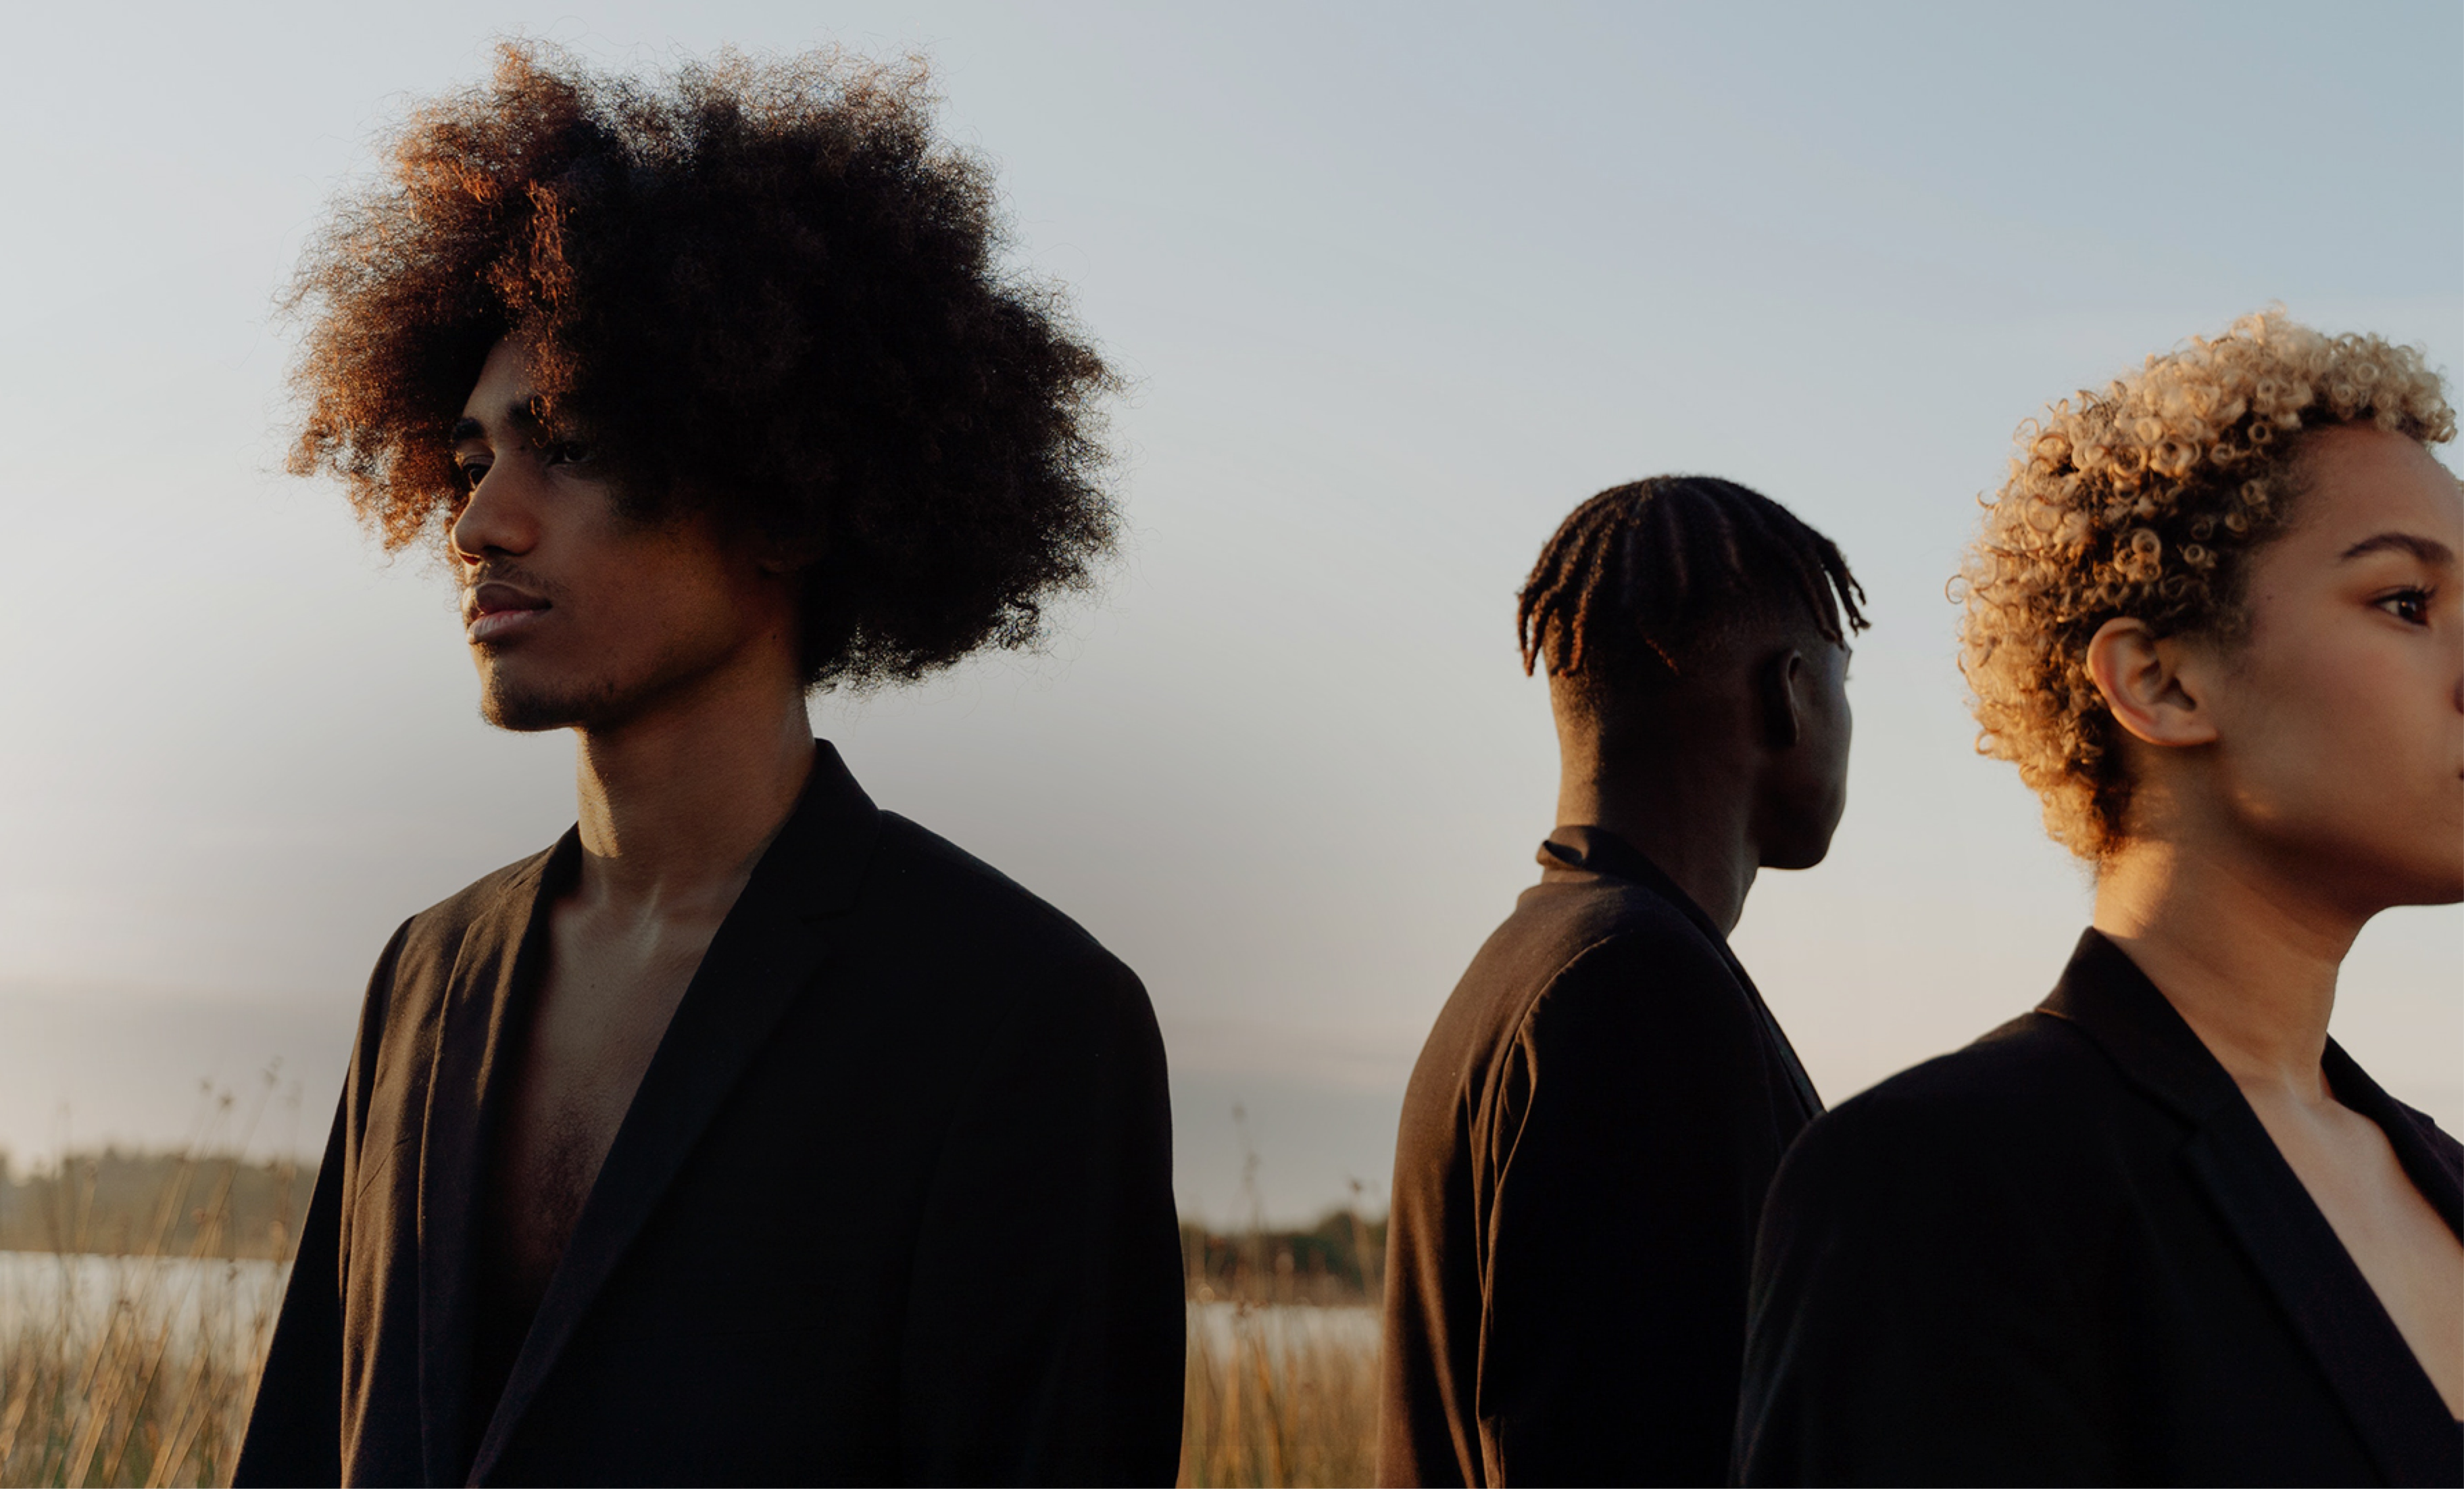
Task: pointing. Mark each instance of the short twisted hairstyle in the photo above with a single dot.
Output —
(1640, 578)
(760, 290)
(2146, 501)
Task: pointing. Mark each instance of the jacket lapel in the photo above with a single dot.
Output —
(491, 972)
(2384, 1392)
(770, 947)
(2438, 1172)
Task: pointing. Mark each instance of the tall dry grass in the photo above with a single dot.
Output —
(1282, 1364)
(153, 1392)
(129, 1347)
(1280, 1395)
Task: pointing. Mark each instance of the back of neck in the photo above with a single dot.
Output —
(1682, 812)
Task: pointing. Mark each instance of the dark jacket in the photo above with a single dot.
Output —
(2070, 1253)
(1584, 1149)
(892, 1203)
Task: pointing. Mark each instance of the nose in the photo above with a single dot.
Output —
(498, 517)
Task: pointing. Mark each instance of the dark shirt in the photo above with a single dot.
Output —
(1583, 1154)
(2070, 1253)
(893, 1203)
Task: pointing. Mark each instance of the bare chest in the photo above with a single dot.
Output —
(603, 1004)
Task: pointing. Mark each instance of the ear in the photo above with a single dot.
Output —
(2146, 686)
(1779, 685)
(778, 560)
(781, 555)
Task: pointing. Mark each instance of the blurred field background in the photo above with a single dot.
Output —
(138, 1292)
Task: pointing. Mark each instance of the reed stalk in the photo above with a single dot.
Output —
(134, 1338)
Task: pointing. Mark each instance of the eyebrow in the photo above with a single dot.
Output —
(517, 415)
(2429, 550)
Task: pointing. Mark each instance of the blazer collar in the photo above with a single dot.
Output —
(2384, 1391)
(2103, 994)
(767, 949)
(1595, 851)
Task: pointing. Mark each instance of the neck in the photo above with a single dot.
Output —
(2247, 959)
(1689, 812)
(678, 801)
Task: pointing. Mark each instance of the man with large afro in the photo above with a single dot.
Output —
(749, 1133)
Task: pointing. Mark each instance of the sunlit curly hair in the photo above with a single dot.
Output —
(759, 290)
(2147, 500)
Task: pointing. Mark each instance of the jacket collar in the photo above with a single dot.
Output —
(2384, 1391)
(773, 941)
(1596, 850)
(1581, 851)
(2103, 994)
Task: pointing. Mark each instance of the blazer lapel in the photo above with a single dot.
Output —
(771, 945)
(2384, 1392)
(491, 972)
(2437, 1172)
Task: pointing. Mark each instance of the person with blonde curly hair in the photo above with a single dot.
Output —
(2163, 1229)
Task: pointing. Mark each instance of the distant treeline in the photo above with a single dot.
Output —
(161, 1204)
(170, 1204)
(1338, 1260)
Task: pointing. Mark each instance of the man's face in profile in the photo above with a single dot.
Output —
(576, 613)
(1811, 782)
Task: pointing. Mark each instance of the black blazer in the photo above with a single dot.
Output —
(893, 1203)
(2070, 1253)
(1584, 1149)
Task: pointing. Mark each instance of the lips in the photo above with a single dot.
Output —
(498, 611)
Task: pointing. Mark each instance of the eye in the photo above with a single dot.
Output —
(565, 452)
(2411, 606)
(470, 473)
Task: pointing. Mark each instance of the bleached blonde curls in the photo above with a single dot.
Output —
(2146, 499)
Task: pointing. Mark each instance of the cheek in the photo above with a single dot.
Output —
(671, 603)
(1842, 728)
(2347, 742)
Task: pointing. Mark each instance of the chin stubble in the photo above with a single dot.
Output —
(508, 705)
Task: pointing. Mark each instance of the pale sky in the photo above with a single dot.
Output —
(1396, 288)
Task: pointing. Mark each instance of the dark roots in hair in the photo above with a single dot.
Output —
(1640, 578)
(760, 290)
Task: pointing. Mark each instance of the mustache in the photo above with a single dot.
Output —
(505, 571)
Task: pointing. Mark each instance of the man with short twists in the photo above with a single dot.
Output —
(749, 1133)
(1588, 1135)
